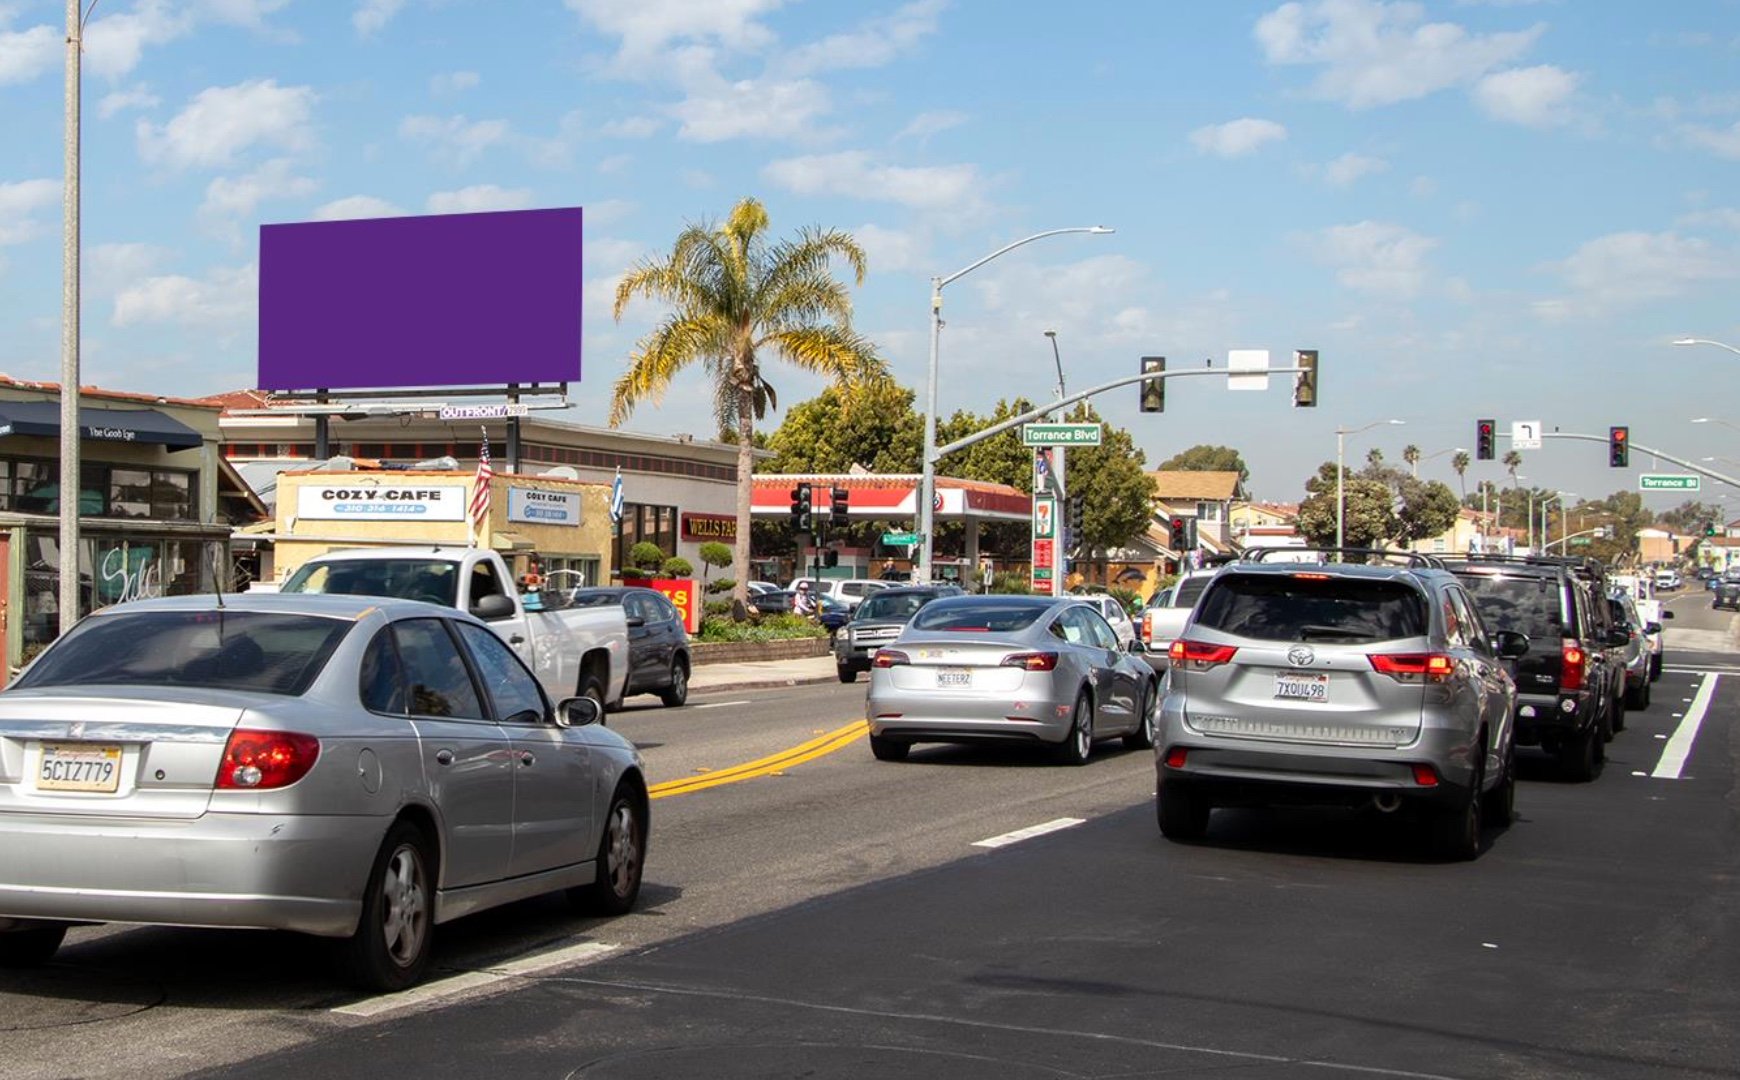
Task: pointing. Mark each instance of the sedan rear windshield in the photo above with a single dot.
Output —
(900, 606)
(265, 652)
(1291, 607)
(1528, 605)
(978, 618)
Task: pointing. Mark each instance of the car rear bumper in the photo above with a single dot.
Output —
(926, 719)
(1539, 715)
(256, 871)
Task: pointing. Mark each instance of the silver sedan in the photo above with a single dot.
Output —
(1022, 668)
(350, 767)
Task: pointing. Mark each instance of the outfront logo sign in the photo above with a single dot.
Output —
(382, 502)
(534, 506)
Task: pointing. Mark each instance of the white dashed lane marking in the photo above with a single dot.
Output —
(1028, 833)
(1678, 748)
(471, 980)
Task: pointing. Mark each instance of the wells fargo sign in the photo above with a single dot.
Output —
(709, 527)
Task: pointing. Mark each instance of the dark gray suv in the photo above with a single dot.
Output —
(1340, 682)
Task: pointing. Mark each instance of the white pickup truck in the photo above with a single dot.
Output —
(575, 652)
(1166, 615)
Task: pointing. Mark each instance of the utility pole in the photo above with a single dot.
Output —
(71, 488)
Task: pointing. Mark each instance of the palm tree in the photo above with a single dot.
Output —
(1460, 461)
(734, 298)
(1411, 455)
(1374, 457)
(1512, 462)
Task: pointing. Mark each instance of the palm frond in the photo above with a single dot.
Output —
(834, 351)
(658, 357)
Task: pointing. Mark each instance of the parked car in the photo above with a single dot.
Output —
(1008, 668)
(878, 621)
(1638, 653)
(574, 653)
(1570, 685)
(1340, 683)
(658, 642)
(356, 768)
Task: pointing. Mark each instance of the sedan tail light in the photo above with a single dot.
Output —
(886, 658)
(1031, 661)
(256, 760)
(1199, 655)
(1414, 667)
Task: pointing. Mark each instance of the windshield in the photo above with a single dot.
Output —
(978, 618)
(1190, 591)
(434, 581)
(1528, 605)
(265, 652)
(899, 607)
(1298, 607)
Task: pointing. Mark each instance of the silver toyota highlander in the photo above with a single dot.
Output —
(1339, 682)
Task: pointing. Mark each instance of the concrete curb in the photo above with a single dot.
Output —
(763, 684)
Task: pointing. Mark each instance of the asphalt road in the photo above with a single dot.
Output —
(835, 917)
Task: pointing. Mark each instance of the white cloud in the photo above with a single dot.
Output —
(1723, 142)
(1535, 97)
(1236, 138)
(110, 268)
(134, 97)
(926, 124)
(226, 299)
(876, 42)
(454, 82)
(479, 198)
(1374, 52)
(614, 163)
(355, 206)
(889, 249)
(648, 27)
(223, 121)
(853, 173)
(1724, 217)
(1623, 269)
(229, 198)
(607, 212)
(1349, 167)
(115, 43)
(632, 127)
(716, 110)
(1374, 257)
(371, 15)
(454, 139)
(20, 203)
(25, 54)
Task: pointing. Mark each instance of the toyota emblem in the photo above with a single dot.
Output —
(1301, 656)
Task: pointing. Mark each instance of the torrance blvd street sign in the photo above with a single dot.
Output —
(1669, 482)
(1060, 434)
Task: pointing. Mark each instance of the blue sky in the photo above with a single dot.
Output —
(1478, 208)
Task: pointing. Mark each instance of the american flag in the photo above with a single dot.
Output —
(480, 487)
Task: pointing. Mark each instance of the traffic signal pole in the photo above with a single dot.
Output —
(1720, 478)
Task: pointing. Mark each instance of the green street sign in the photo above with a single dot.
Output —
(1581, 541)
(1669, 482)
(900, 539)
(1060, 434)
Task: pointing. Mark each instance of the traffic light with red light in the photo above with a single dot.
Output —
(1180, 534)
(1484, 439)
(1619, 446)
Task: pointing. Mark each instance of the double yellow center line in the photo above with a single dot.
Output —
(767, 766)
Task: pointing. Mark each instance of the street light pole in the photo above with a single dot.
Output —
(71, 489)
(1707, 341)
(927, 477)
(1341, 435)
(1060, 475)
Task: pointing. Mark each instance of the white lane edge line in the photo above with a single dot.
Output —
(721, 704)
(471, 980)
(1029, 832)
(1679, 747)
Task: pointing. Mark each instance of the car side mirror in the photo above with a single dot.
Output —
(495, 606)
(578, 712)
(1652, 628)
(1667, 615)
(1135, 645)
(636, 620)
(1619, 636)
(1509, 645)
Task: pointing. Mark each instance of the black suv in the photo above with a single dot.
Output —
(1571, 682)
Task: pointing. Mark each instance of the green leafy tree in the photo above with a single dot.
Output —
(1205, 458)
(734, 300)
(1001, 459)
(714, 555)
(870, 423)
(676, 567)
(1370, 516)
(1428, 508)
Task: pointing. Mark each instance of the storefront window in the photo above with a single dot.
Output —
(112, 570)
(653, 524)
(32, 486)
(130, 493)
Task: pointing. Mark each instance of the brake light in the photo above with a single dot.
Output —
(1199, 655)
(1425, 775)
(1311, 577)
(1573, 665)
(1147, 631)
(1175, 757)
(1414, 667)
(1031, 661)
(257, 760)
(886, 658)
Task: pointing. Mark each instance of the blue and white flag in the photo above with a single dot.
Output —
(616, 497)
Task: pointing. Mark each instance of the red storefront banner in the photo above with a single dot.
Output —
(684, 597)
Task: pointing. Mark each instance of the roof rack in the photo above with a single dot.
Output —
(1412, 559)
(1578, 563)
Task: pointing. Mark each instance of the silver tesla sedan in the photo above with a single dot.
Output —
(1023, 668)
(355, 768)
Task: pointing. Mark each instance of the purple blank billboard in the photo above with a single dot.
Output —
(444, 300)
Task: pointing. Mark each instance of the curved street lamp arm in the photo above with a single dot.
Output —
(938, 283)
(1707, 341)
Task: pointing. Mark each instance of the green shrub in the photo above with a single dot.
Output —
(1128, 599)
(767, 628)
(676, 567)
(724, 584)
(645, 556)
(715, 607)
(1006, 582)
(715, 554)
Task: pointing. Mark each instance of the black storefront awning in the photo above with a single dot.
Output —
(114, 425)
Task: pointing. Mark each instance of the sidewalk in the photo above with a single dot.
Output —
(762, 675)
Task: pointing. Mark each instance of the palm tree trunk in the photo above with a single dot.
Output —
(745, 491)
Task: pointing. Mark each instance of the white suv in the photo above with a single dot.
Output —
(849, 591)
